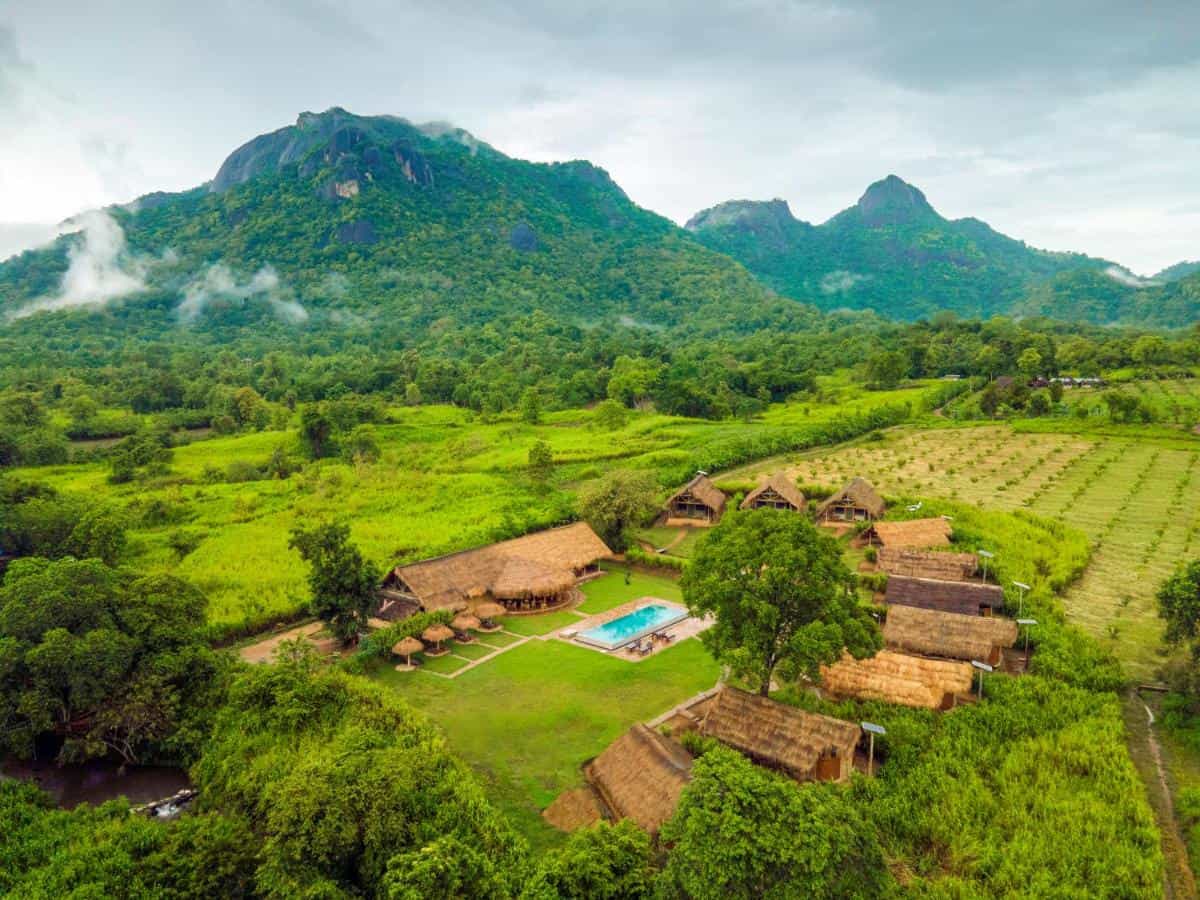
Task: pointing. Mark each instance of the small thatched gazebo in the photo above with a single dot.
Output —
(525, 583)
(463, 624)
(436, 634)
(487, 612)
(406, 647)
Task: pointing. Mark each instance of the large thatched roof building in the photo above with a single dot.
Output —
(698, 501)
(927, 563)
(856, 502)
(776, 492)
(532, 571)
(967, 598)
(640, 776)
(899, 678)
(806, 746)
(929, 632)
(913, 533)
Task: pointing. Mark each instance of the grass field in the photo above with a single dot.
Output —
(1138, 502)
(612, 590)
(444, 482)
(527, 720)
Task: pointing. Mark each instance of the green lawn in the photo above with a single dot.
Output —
(611, 590)
(541, 624)
(528, 719)
(444, 665)
(472, 651)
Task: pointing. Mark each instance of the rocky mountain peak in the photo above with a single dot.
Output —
(892, 201)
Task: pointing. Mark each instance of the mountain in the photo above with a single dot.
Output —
(892, 252)
(1178, 271)
(344, 222)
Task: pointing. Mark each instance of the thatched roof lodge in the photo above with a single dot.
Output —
(698, 501)
(914, 533)
(929, 632)
(927, 564)
(899, 678)
(640, 776)
(964, 597)
(530, 572)
(776, 492)
(804, 745)
(856, 502)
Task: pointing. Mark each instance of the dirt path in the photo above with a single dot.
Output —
(1179, 882)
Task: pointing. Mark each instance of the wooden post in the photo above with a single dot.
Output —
(871, 757)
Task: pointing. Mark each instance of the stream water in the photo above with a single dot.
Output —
(98, 780)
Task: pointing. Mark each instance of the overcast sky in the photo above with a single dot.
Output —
(1071, 125)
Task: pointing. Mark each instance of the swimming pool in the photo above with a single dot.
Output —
(633, 625)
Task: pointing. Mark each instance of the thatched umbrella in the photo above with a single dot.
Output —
(406, 647)
(487, 612)
(464, 623)
(437, 634)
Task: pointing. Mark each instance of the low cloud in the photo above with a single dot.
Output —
(218, 284)
(839, 281)
(100, 268)
(1124, 276)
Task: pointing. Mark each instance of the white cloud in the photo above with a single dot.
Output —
(839, 281)
(100, 268)
(218, 284)
(1124, 276)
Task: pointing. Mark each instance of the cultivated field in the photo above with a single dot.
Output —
(1138, 501)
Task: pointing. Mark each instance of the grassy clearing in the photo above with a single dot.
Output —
(528, 719)
(540, 624)
(612, 590)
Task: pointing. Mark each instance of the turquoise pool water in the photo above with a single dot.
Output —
(632, 626)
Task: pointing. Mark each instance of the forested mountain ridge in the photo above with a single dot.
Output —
(342, 220)
(893, 253)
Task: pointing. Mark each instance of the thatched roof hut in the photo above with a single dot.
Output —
(776, 492)
(520, 579)
(698, 500)
(856, 502)
(640, 776)
(806, 746)
(967, 598)
(407, 646)
(914, 533)
(932, 633)
(898, 678)
(543, 564)
(927, 564)
(574, 809)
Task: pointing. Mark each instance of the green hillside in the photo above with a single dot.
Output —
(893, 253)
(375, 225)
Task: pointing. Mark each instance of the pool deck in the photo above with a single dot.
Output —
(681, 630)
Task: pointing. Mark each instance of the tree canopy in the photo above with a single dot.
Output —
(784, 601)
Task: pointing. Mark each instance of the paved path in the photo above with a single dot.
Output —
(471, 664)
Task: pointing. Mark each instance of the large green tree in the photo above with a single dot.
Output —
(97, 659)
(743, 832)
(342, 583)
(1179, 606)
(618, 501)
(784, 601)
